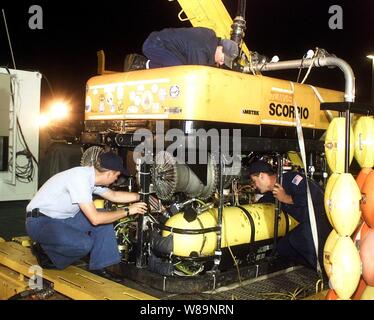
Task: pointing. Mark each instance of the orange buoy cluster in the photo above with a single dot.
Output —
(349, 249)
(364, 154)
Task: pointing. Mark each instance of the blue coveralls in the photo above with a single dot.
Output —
(65, 234)
(297, 245)
(181, 46)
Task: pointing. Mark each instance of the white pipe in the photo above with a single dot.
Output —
(350, 88)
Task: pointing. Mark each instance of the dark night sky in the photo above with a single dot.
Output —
(65, 50)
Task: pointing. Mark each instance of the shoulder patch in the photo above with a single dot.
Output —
(297, 179)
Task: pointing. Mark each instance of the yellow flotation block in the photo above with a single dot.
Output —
(330, 184)
(364, 142)
(335, 145)
(327, 251)
(344, 202)
(345, 268)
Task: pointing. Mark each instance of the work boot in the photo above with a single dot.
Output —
(134, 61)
(43, 260)
(107, 274)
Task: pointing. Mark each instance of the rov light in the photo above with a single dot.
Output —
(59, 110)
(275, 59)
(309, 54)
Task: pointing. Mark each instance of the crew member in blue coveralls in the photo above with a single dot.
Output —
(65, 224)
(297, 245)
(188, 46)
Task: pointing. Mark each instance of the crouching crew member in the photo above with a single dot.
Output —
(64, 223)
(297, 245)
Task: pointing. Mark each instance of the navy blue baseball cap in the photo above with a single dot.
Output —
(259, 166)
(111, 161)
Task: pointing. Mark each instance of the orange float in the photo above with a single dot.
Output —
(331, 295)
(360, 290)
(362, 176)
(367, 202)
(360, 232)
(367, 257)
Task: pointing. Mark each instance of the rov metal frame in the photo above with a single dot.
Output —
(249, 144)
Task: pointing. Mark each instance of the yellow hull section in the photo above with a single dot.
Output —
(205, 94)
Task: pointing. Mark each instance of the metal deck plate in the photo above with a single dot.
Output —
(292, 284)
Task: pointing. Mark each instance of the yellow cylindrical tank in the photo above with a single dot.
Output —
(345, 268)
(185, 244)
(335, 145)
(364, 142)
(345, 205)
(236, 228)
